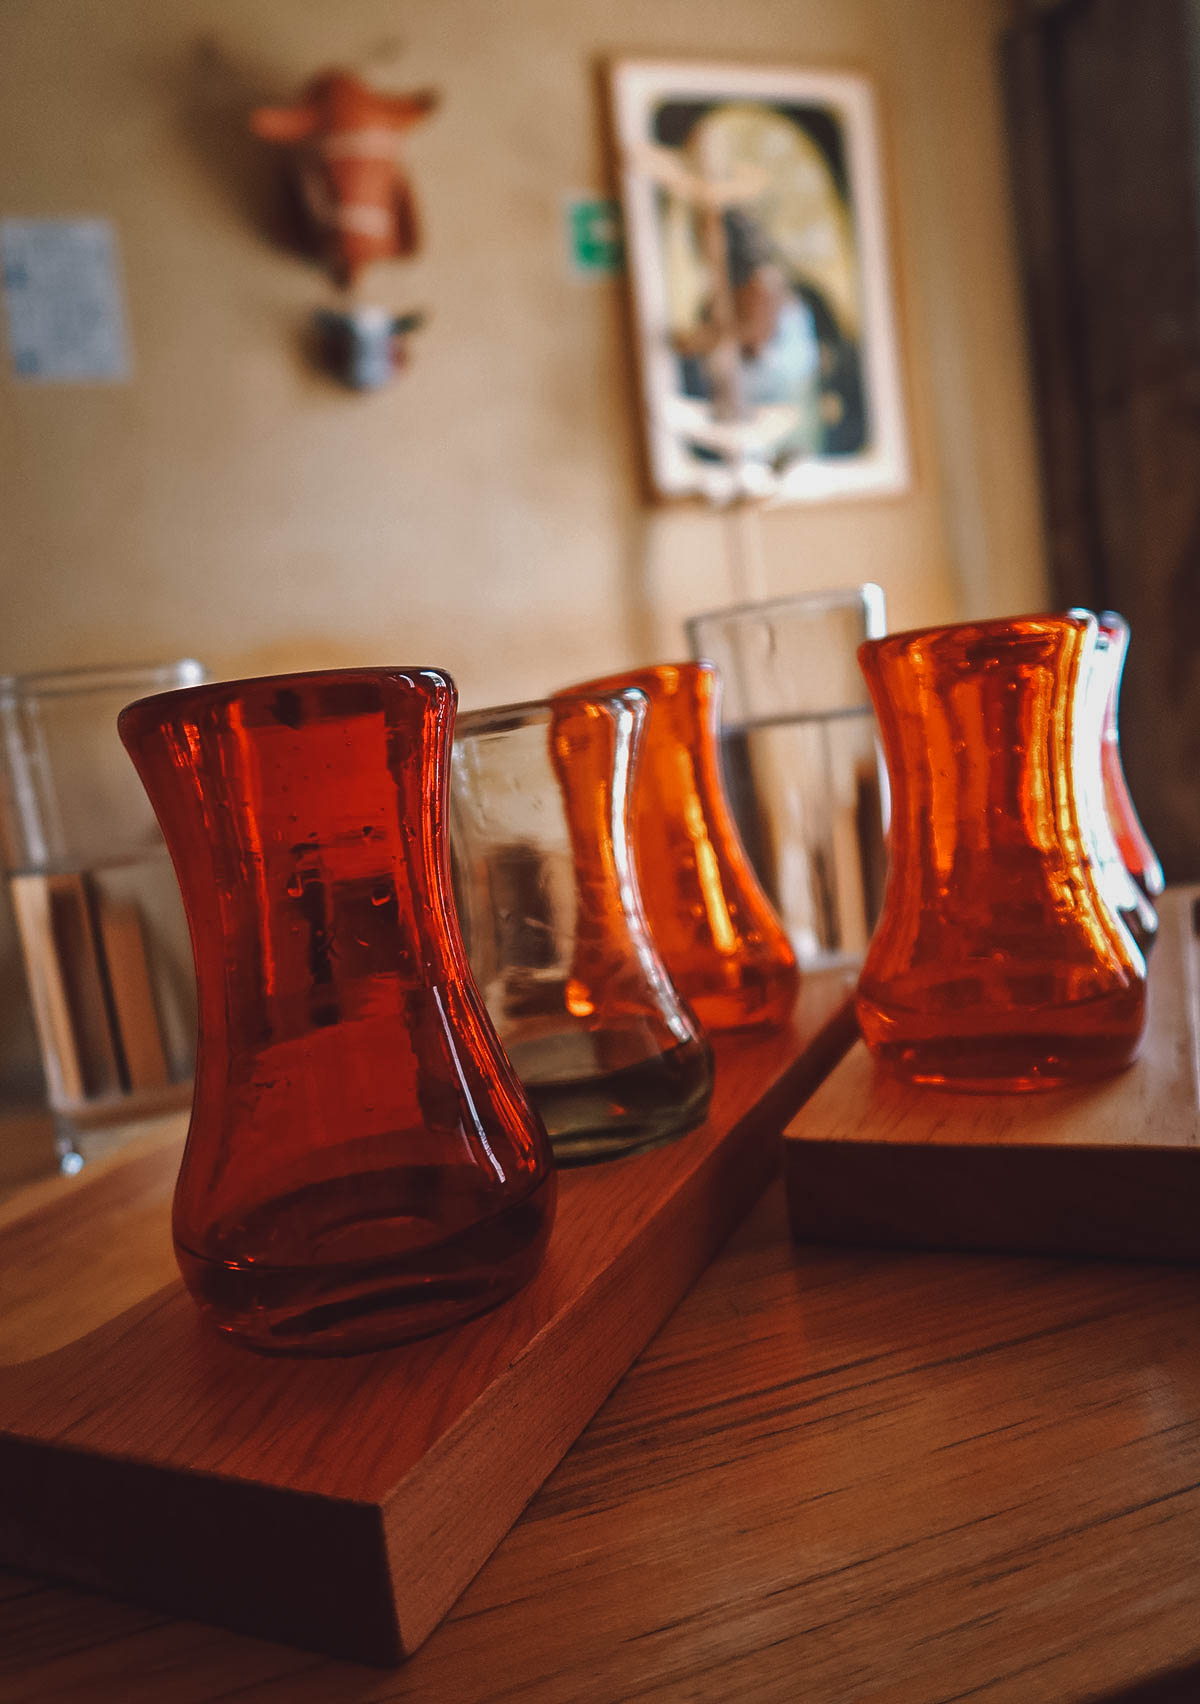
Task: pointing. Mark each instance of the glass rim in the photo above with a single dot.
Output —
(626, 680)
(183, 673)
(207, 691)
(990, 628)
(868, 596)
(507, 718)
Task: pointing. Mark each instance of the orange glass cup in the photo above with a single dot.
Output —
(362, 1165)
(715, 928)
(998, 962)
(1140, 858)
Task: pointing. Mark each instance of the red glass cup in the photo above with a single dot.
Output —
(362, 1164)
(998, 962)
(722, 943)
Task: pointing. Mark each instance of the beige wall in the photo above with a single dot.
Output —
(483, 512)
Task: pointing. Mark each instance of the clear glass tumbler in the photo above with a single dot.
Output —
(611, 1055)
(1140, 858)
(801, 760)
(97, 909)
(1098, 691)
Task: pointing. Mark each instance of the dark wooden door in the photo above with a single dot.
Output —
(1104, 110)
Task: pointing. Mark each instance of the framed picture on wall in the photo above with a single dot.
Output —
(762, 294)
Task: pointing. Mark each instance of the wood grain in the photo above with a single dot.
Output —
(1111, 1169)
(835, 1477)
(343, 1505)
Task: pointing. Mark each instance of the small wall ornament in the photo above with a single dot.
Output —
(364, 346)
(359, 200)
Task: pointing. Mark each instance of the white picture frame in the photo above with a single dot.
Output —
(768, 181)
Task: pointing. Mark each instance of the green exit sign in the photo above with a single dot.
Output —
(595, 237)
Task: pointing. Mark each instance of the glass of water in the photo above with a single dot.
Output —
(801, 760)
(96, 905)
(612, 1057)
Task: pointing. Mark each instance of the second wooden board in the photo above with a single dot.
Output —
(1112, 1169)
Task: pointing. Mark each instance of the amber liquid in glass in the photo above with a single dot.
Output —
(602, 1115)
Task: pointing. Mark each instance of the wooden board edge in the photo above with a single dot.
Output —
(368, 1580)
(638, 1291)
(1141, 1204)
(259, 1559)
(1178, 1685)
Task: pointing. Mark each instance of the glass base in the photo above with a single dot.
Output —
(409, 1281)
(627, 1111)
(1007, 1065)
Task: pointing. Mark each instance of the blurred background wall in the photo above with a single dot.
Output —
(484, 513)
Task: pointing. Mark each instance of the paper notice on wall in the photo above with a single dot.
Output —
(63, 300)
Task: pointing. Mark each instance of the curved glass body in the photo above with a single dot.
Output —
(722, 944)
(1139, 856)
(362, 1164)
(997, 963)
(612, 1057)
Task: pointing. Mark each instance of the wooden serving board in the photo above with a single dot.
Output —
(1113, 1169)
(343, 1505)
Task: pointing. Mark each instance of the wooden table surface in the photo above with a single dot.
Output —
(835, 1477)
